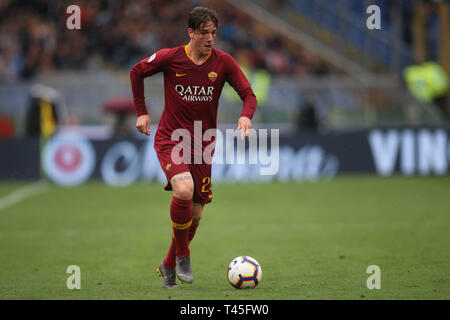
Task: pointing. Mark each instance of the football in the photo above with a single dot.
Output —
(244, 272)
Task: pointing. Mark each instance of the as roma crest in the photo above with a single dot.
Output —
(212, 76)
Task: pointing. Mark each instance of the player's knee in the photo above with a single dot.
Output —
(183, 186)
(197, 210)
(184, 191)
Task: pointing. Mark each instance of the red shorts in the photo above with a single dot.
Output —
(201, 173)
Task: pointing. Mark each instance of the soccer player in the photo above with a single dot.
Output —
(194, 75)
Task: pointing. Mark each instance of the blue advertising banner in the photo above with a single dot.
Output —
(70, 159)
(19, 159)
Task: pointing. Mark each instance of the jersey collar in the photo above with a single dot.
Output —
(190, 58)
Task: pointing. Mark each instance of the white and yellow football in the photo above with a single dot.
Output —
(244, 272)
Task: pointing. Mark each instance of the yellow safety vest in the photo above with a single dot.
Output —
(260, 82)
(426, 81)
(48, 121)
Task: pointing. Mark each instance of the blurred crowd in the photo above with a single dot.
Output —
(118, 33)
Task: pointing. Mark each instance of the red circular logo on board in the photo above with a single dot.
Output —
(68, 157)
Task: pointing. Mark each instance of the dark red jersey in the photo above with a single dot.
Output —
(191, 91)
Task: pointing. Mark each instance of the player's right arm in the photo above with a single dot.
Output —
(143, 124)
(145, 68)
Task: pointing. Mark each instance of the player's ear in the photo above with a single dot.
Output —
(191, 33)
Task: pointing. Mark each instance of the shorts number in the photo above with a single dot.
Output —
(206, 187)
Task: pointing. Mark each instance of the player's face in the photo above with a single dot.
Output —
(203, 38)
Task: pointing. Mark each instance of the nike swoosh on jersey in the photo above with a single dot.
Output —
(180, 74)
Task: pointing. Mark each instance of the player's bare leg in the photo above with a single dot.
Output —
(181, 215)
(197, 210)
(183, 186)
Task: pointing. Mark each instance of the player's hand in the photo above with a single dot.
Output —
(244, 124)
(143, 124)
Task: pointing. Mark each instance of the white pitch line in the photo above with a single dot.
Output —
(23, 193)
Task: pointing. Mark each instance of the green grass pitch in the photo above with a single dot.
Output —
(314, 240)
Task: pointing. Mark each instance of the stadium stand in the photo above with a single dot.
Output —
(116, 34)
(301, 51)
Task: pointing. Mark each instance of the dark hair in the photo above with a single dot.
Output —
(201, 15)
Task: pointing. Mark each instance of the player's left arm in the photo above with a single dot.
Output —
(237, 79)
(244, 124)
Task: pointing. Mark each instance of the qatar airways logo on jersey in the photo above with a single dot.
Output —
(195, 93)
